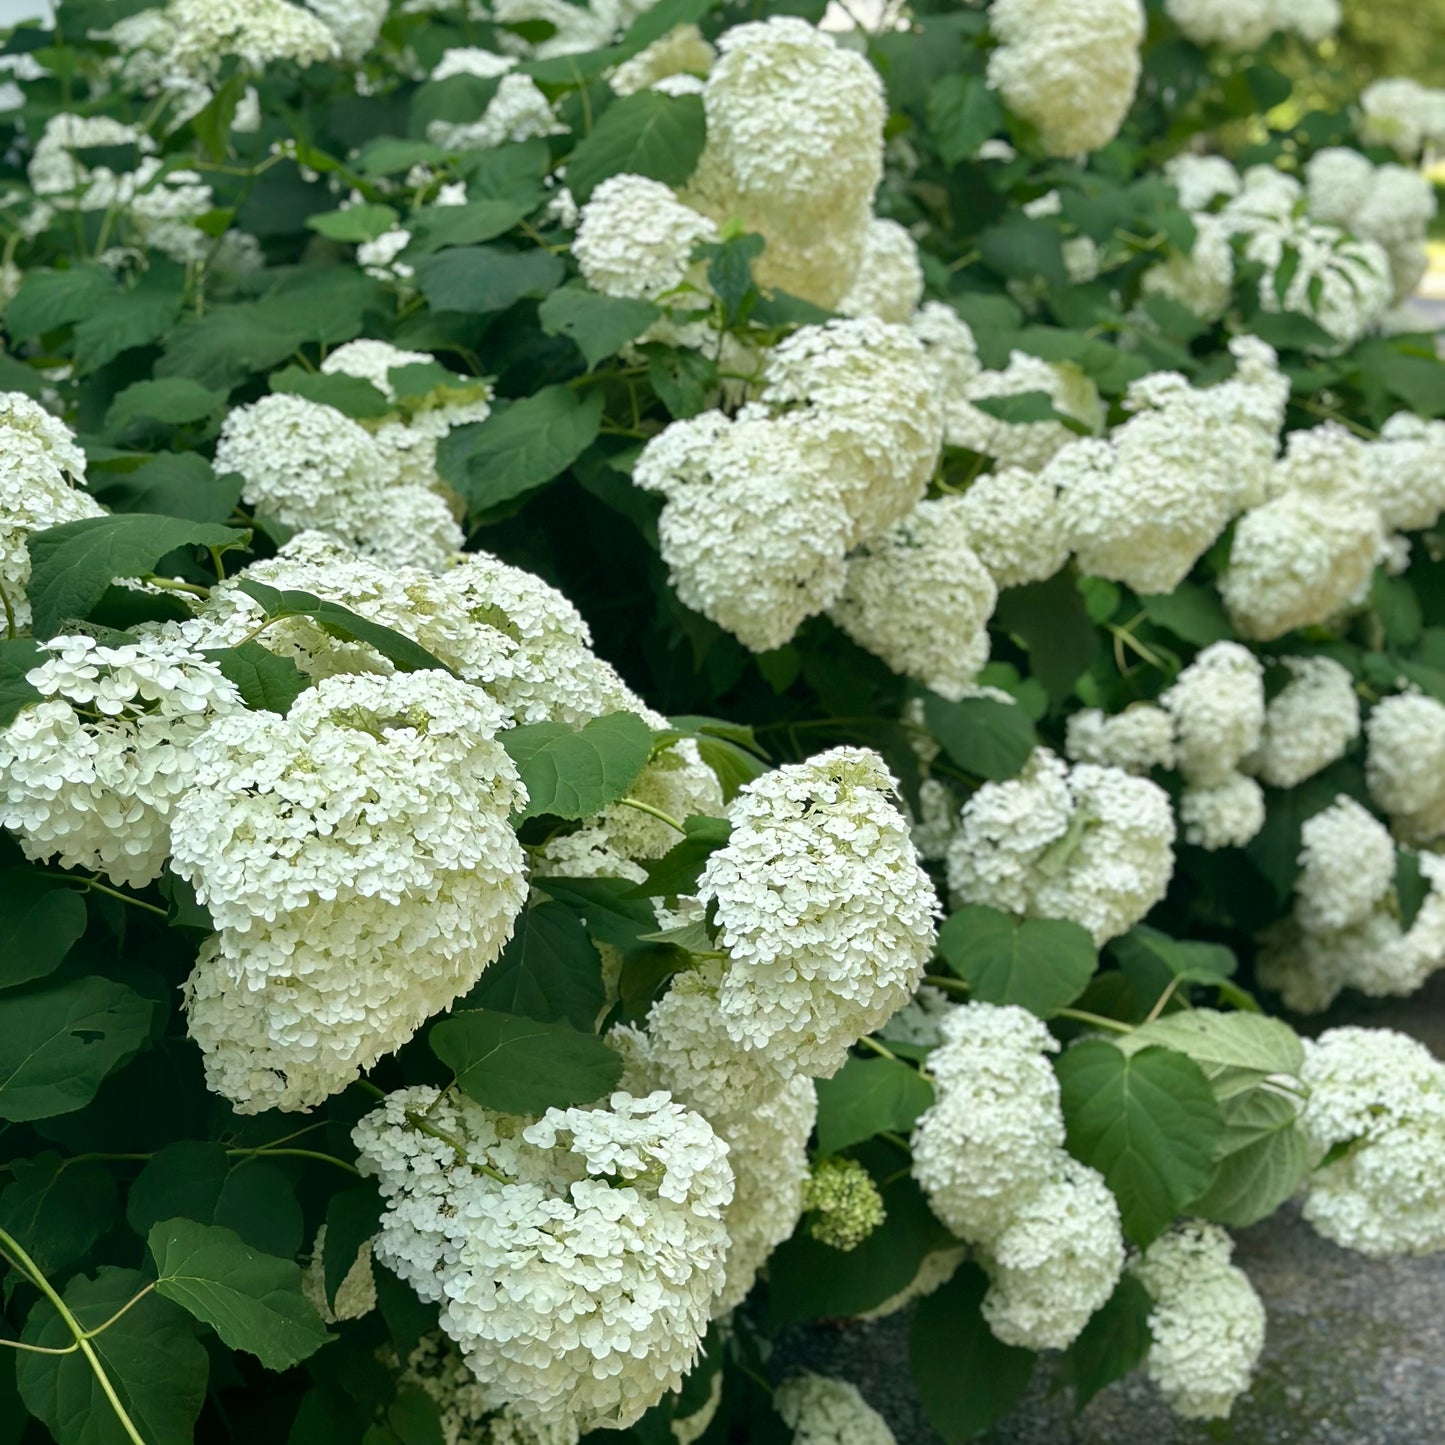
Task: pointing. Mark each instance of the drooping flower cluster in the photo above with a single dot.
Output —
(989, 1155)
(1091, 844)
(1376, 1122)
(1207, 1324)
(1067, 67)
(575, 1258)
(820, 1411)
(91, 775)
(357, 859)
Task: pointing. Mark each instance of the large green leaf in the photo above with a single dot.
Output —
(676, 871)
(1114, 1341)
(57, 1209)
(1052, 621)
(266, 682)
(353, 396)
(963, 112)
(608, 907)
(151, 1355)
(57, 1045)
(519, 447)
(172, 400)
(1041, 964)
(982, 736)
(435, 227)
(1226, 1041)
(18, 656)
(1152, 961)
(71, 565)
(648, 134)
(482, 279)
(252, 1300)
(521, 1066)
(1263, 1156)
(172, 484)
(40, 919)
(867, 1097)
(966, 1379)
(125, 319)
(576, 774)
(600, 325)
(50, 299)
(1148, 1122)
(550, 971)
(354, 224)
(353, 1217)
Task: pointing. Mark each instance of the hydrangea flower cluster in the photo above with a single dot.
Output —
(820, 1411)
(1247, 24)
(92, 774)
(1403, 114)
(1068, 68)
(357, 859)
(844, 1203)
(1207, 1324)
(575, 1258)
(1091, 844)
(1375, 1120)
(518, 111)
(989, 1155)
(1404, 761)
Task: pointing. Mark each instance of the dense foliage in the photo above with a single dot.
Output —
(666, 674)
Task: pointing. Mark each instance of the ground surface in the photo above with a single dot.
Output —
(1355, 1353)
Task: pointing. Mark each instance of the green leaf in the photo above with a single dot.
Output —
(172, 484)
(730, 274)
(1041, 964)
(1219, 1041)
(867, 1097)
(18, 655)
(266, 682)
(57, 1210)
(648, 134)
(125, 319)
(353, 396)
(1148, 1122)
(676, 871)
(58, 1044)
(230, 343)
(355, 224)
(519, 447)
(47, 300)
(609, 907)
(481, 279)
(1152, 961)
(252, 1300)
(1052, 621)
(40, 919)
(200, 1181)
(966, 1379)
(962, 113)
(510, 172)
(1190, 612)
(1022, 248)
(1114, 1341)
(71, 565)
(388, 156)
(1263, 1158)
(522, 1066)
(1412, 887)
(600, 325)
(340, 622)
(984, 737)
(173, 401)
(550, 971)
(151, 1355)
(683, 379)
(435, 227)
(353, 1218)
(576, 774)
(1019, 408)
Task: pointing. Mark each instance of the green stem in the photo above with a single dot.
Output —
(94, 884)
(10, 628)
(460, 1149)
(264, 1153)
(371, 1088)
(653, 812)
(1097, 1020)
(948, 985)
(168, 585)
(880, 1049)
(1162, 1002)
(29, 1267)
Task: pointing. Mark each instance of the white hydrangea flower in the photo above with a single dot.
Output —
(39, 488)
(1247, 24)
(1217, 704)
(517, 112)
(1056, 1261)
(1347, 866)
(354, 24)
(1135, 740)
(862, 391)
(682, 52)
(205, 33)
(823, 910)
(355, 1295)
(1225, 813)
(1207, 1322)
(794, 151)
(1202, 278)
(379, 257)
(932, 827)
(1402, 113)
(1405, 764)
(636, 239)
(59, 175)
(90, 776)
(577, 1285)
(1089, 844)
(951, 355)
(755, 530)
(1407, 472)
(1308, 724)
(889, 284)
(1069, 67)
(820, 1411)
(920, 599)
(995, 1127)
(1028, 444)
(1015, 525)
(1201, 179)
(1382, 1096)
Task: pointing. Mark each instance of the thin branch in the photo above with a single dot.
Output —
(653, 812)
